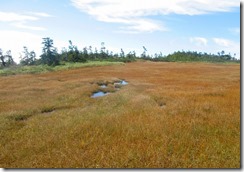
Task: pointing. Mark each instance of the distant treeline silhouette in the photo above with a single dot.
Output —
(51, 57)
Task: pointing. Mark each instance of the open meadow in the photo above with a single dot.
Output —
(169, 115)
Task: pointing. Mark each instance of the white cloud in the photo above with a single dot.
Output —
(133, 13)
(23, 25)
(142, 25)
(40, 14)
(222, 42)
(15, 40)
(199, 41)
(228, 46)
(12, 17)
(21, 20)
(235, 31)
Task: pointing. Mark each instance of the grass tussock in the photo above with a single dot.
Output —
(20, 117)
(47, 109)
(170, 115)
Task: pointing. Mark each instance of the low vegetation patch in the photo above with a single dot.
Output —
(45, 68)
(20, 117)
(47, 109)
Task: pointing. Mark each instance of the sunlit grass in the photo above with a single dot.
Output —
(170, 115)
(45, 68)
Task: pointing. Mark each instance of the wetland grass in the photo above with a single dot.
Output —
(170, 115)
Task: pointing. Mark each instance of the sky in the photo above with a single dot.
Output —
(161, 26)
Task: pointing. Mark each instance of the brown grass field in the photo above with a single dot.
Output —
(170, 115)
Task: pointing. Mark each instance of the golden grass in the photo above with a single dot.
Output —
(171, 115)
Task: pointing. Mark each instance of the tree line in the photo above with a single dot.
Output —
(188, 56)
(51, 57)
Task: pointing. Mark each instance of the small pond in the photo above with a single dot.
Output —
(117, 86)
(121, 82)
(103, 86)
(99, 94)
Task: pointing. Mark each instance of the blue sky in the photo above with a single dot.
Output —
(161, 26)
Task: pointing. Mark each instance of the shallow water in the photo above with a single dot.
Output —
(123, 82)
(117, 86)
(103, 86)
(99, 94)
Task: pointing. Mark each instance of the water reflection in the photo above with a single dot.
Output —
(103, 86)
(116, 85)
(99, 94)
(121, 82)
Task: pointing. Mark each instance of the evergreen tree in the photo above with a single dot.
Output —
(103, 54)
(74, 55)
(49, 53)
(2, 58)
(90, 52)
(122, 53)
(10, 60)
(143, 55)
(85, 53)
(64, 54)
(29, 57)
(7, 59)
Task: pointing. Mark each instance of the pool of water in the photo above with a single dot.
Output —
(121, 82)
(103, 86)
(99, 94)
(117, 85)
